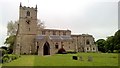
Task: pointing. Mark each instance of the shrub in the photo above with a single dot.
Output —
(71, 52)
(109, 51)
(116, 51)
(8, 58)
(13, 57)
(5, 58)
(62, 51)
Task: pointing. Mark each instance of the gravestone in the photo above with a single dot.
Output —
(81, 58)
(90, 58)
(75, 57)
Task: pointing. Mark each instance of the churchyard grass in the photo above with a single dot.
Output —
(98, 59)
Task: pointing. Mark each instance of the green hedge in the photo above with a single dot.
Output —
(9, 57)
(71, 52)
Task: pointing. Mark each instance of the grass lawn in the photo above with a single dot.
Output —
(99, 59)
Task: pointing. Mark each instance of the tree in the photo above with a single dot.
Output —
(113, 42)
(117, 40)
(10, 40)
(4, 47)
(12, 28)
(109, 44)
(101, 45)
(40, 25)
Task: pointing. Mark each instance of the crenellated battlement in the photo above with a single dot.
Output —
(25, 7)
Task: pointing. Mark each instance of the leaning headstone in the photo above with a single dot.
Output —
(81, 58)
(90, 58)
(75, 57)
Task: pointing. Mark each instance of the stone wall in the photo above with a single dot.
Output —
(84, 43)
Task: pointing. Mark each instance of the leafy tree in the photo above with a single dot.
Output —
(101, 45)
(4, 47)
(10, 40)
(11, 32)
(12, 28)
(40, 25)
(109, 44)
(117, 40)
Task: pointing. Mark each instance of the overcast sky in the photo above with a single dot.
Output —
(96, 17)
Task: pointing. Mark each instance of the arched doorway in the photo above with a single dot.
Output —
(46, 49)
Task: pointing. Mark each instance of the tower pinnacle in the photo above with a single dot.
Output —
(36, 7)
(20, 4)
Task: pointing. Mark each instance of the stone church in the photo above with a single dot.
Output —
(31, 40)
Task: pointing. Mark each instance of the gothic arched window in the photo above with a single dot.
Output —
(88, 42)
(28, 13)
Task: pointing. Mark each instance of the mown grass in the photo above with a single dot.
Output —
(24, 60)
(99, 59)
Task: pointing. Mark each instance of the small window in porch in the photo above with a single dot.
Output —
(56, 45)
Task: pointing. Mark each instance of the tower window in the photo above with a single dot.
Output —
(28, 13)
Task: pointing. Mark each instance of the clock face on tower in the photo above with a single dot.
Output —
(28, 21)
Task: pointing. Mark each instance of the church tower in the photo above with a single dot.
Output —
(27, 30)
